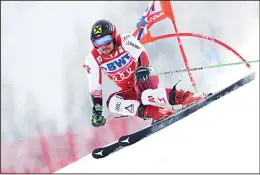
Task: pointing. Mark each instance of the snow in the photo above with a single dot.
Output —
(222, 137)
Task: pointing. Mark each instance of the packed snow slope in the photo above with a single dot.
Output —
(222, 137)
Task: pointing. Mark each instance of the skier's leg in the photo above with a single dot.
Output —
(118, 104)
(145, 80)
(123, 103)
(181, 97)
(170, 96)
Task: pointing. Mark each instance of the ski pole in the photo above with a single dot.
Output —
(117, 117)
(206, 67)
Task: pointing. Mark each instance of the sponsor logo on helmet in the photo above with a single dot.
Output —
(97, 29)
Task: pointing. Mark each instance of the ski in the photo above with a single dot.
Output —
(105, 151)
(137, 136)
(133, 138)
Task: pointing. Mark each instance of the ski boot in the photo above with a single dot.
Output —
(153, 112)
(180, 97)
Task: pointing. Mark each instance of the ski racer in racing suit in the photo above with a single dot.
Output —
(125, 61)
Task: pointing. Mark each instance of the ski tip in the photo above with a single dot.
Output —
(98, 153)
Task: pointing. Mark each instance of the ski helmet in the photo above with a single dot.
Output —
(102, 28)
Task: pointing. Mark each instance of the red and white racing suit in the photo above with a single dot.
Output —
(120, 67)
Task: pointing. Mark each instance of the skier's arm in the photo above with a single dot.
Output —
(143, 59)
(94, 77)
(136, 49)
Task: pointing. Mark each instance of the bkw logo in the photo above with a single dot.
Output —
(116, 64)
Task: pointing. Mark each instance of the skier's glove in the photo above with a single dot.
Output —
(142, 73)
(97, 119)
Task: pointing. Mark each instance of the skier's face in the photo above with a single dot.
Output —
(104, 44)
(107, 49)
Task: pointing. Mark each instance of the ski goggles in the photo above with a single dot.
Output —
(105, 40)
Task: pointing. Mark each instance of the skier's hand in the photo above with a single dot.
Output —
(142, 73)
(97, 119)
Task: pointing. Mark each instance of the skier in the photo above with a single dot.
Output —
(125, 61)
